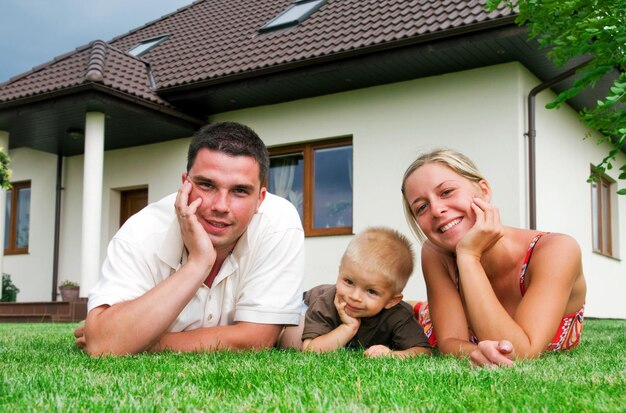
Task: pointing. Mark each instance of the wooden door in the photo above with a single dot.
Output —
(132, 201)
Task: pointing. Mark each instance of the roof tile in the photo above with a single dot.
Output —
(210, 39)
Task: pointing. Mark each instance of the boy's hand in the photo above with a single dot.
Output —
(353, 323)
(378, 351)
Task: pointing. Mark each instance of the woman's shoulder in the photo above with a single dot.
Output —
(435, 258)
(544, 241)
(555, 253)
(558, 242)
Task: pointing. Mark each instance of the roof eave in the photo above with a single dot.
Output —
(429, 37)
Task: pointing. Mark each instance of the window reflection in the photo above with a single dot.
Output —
(333, 187)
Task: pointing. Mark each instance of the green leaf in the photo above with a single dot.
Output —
(622, 191)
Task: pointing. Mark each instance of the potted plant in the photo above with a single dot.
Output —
(9, 290)
(69, 290)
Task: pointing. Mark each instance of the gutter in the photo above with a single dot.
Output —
(532, 134)
(57, 227)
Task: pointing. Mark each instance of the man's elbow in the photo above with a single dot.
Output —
(97, 345)
(96, 348)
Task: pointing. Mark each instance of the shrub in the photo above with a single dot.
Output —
(9, 290)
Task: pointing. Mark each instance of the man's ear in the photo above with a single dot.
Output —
(393, 301)
(261, 198)
(485, 190)
(184, 177)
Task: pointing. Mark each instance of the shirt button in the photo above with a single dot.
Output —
(210, 317)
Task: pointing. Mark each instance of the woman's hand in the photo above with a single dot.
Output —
(196, 239)
(353, 323)
(492, 354)
(487, 230)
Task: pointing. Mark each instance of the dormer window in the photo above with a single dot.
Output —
(295, 14)
(146, 45)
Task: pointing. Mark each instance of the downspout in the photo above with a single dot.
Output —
(57, 227)
(532, 133)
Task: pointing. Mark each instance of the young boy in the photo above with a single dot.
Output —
(364, 309)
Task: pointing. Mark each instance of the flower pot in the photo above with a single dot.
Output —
(69, 293)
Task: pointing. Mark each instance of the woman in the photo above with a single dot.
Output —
(486, 297)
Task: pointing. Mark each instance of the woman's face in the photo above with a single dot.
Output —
(440, 200)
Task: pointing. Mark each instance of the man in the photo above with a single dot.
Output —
(219, 265)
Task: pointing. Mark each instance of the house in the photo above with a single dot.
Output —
(345, 93)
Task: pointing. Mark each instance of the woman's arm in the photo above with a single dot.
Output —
(446, 310)
(556, 264)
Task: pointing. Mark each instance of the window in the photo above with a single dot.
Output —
(146, 45)
(601, 215)
(317, 179)
(295, 14)
(17, 218)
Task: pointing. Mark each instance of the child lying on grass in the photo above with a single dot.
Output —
(364, 309)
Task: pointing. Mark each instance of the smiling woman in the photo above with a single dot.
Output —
(479, 273)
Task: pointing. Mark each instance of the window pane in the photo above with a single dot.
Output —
(605, 217)
(293, 14)
(286, 179)
(23, 217)
(333, 187)
(7, 220)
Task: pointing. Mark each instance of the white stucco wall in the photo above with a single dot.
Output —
(32, 272)
(564, 157)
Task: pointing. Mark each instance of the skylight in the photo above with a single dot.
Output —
(295, 14)
(146, 45)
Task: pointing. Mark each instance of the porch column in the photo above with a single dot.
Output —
(92, 201)
(4, 144)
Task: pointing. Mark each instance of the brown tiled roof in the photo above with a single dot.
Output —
(98, 63)
(213, 39)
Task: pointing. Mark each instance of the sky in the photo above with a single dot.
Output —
(33, 32)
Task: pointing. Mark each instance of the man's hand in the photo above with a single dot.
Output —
(79, 333)
(195, 238)
(492, 354)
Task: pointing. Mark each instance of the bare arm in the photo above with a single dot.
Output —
(240, 336)
(134, 326)
(446, 310)
(555, 268)
(337, 338)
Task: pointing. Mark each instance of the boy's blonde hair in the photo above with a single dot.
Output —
(454, 160)
(384, 251)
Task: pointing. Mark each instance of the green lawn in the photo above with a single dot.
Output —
(41, 370)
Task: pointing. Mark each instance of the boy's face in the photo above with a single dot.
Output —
(365, 293)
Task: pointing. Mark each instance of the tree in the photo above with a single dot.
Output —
(593, 29)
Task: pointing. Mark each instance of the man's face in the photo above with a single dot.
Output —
(231, 194)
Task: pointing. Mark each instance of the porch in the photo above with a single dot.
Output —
(44, 312)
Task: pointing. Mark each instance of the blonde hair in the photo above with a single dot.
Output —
(384, 251)
(450, 158)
